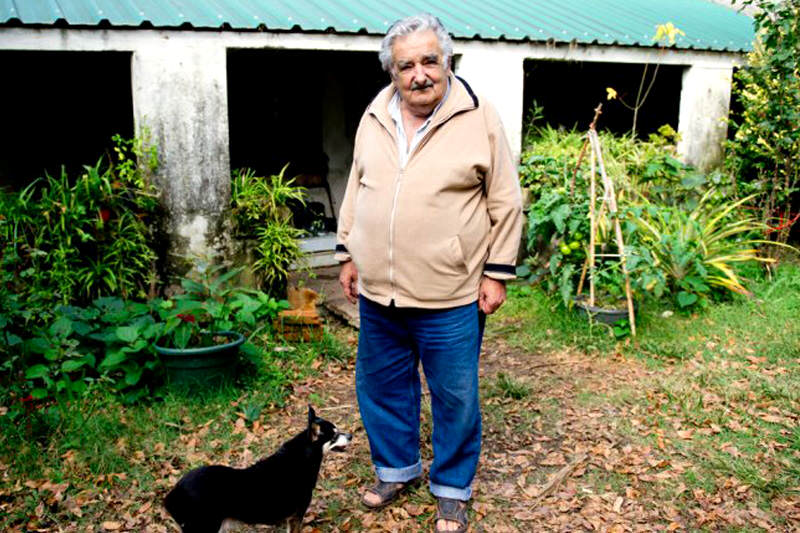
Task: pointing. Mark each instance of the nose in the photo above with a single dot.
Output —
(419, 73)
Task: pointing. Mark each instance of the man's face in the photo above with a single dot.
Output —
(418, 72)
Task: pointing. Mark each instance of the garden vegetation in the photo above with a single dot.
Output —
(88, 427)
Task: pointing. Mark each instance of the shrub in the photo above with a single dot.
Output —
(684, 235)
(74, 240)
(259, 207)
(109, 343)
(689, 254)
(211, 304)
(767, 138)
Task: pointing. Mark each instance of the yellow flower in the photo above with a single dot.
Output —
(612, 94)
(669, 31)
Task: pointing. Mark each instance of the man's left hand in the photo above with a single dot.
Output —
(491, 295)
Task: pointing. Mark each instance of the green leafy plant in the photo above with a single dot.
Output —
(767, 138)
(621, 328)
(107, 342)
(110, 342)
(278, 248)
(550, 157)
(80, 238)
(690, 254)
(259, 207)
(506, 386)
(557, 226)
(210, 304)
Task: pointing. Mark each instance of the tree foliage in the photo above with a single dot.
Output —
(767, 139)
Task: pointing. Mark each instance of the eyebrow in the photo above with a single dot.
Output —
(430, 57)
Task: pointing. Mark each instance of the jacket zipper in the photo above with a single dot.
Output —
(398, 182)
(397, 185)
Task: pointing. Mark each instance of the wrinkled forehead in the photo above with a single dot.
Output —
(416, 46)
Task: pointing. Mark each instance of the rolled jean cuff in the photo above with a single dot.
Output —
(443, 491)
(399, 475)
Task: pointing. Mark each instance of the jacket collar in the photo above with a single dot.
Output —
(461, 98)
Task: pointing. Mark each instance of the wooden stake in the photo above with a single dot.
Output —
(610, 196)
(597, 112)
(583, 275)
(592, 224)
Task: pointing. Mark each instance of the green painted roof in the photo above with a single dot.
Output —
(708, 26)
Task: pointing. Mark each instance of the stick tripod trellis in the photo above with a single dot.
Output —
(610, 201)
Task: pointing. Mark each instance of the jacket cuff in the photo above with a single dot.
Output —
(499, 271)
(341, 254)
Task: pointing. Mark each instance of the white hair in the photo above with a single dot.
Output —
(415, 23)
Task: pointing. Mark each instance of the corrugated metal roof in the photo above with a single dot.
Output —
(708, 26)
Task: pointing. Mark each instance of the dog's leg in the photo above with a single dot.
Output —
(294, 524)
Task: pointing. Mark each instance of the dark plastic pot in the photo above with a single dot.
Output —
(601, 314)
(210, 366)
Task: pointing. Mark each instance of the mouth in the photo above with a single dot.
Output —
(424, 87)
(340, 442)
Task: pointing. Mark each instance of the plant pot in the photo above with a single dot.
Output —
(601, 314)
(210, 366)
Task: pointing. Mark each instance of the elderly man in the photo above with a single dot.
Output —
(428, 234)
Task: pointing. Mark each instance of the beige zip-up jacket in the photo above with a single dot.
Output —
(424, 235)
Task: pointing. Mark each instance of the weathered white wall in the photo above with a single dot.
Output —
(180, 95)
(497, 74)
(179, 91)
(704, 107)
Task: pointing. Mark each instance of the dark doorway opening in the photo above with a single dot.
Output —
(568, 92)
(276, 108)
(737, 106)
(61, 108)
(300, 108)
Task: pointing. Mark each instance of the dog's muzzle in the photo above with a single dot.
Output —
(339, 442)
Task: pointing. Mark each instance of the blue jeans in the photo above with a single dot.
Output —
(392, 342)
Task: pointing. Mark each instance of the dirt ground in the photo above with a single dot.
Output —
(555, 455)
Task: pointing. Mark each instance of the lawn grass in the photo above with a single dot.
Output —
(725, 398)
(97, 445)
(709, 402)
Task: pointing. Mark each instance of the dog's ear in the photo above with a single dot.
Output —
(313, 426)
(314, 431)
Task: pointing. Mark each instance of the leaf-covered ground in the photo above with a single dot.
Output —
(572, 442)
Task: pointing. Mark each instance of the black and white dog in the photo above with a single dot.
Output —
(273, 490)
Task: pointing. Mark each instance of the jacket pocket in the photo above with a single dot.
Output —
(457, 258)
(444, 259)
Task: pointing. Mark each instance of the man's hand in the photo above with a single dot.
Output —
(491, 295)
(348, 279)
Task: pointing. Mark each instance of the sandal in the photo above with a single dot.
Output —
(453, 511)
(387, 492)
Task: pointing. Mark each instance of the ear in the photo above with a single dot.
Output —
(313, 427)
(313, 431)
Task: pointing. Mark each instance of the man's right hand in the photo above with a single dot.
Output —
(348, 279)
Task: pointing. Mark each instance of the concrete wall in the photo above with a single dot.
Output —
(497, 73)
(702, 124)
(180, 95)
(179, 92)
